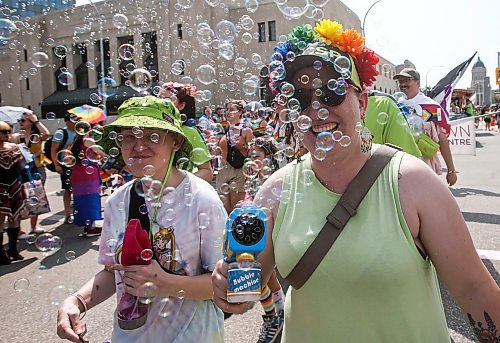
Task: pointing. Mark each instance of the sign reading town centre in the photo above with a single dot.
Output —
(462, 137)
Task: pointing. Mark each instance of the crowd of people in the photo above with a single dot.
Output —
(294, 154)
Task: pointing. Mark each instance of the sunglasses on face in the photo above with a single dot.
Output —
(324, 94)
(6, 132)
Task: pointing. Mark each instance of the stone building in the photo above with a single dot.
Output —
(170, 39)
(481, 84)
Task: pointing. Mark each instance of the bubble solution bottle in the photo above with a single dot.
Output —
(244, 279)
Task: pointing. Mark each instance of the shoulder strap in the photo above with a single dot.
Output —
(135, 203)
(340, 215)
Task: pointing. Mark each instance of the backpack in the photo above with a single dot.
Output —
(47, 147)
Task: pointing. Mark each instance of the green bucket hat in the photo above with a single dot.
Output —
(148, 112)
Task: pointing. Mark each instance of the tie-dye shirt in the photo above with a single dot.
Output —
(187, 241)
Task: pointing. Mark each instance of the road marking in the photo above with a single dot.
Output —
(489, 254)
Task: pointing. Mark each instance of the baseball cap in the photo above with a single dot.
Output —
(407, 72)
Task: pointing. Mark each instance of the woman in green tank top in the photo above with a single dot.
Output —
(377, 283)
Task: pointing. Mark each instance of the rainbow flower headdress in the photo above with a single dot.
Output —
(328, 41)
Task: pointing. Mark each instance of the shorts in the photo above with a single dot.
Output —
(66, 178)
(229, 174)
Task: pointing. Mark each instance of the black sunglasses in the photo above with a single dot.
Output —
(6, 132)
(324, 94)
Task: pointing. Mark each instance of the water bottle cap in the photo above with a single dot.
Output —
(244, 257)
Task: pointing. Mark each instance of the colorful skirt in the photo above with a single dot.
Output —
(86, 183)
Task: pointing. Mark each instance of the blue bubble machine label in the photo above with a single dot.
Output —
(244, 282)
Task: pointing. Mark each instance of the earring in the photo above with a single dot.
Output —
(366, 139)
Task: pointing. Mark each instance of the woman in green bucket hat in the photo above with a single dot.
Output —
(182, 215)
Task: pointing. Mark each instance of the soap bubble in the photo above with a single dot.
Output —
(147, 292)
(51, 116)
(308, 177)
(126, 52)
(345, 141)
(66, 158)
(205, 74)
(382, 118)
(342, 64)
(415, 124)
(252, 6)
(185, 4)
(40, 59)
(70, 255)
(30, 239)
(400, 96)
(7, 29)
(106, 87)
(140, 80)
(82, 127)
(65, 78)
(240, 64)
(60, 51)
(225, 31)
(21, 285)
(319, 154)
(120, 21)
(111, 247)
(58, 294)
(164, 304)
(324, 141)
(181, 294)
(146, 254)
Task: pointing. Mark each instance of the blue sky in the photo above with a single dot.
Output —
(431, 33)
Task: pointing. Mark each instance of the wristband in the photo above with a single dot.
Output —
(451, 172)
(82, 301)
(36, 122)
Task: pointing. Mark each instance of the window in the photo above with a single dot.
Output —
(25, 55)
(272, 30)
(28, 84)
(179, 31)
(262, 32)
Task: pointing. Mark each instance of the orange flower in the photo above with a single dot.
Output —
(352, 42)
(330, 30)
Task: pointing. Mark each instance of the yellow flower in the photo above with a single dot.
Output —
(330, 30)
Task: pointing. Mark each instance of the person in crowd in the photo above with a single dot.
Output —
(62, 139)
(436, 122)
(12, 197)
(182, 95)
(219, 114)
(387, 124)
(185, 238)
(207, 113)
(234, 150)
(86, 183)
(486, 118)
(469, 108)
(32, 134)
(383, 265)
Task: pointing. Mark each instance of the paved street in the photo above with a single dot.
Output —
(30, 315)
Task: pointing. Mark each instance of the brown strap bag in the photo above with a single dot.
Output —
(340, 215)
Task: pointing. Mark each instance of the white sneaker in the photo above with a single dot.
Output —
(37, 229)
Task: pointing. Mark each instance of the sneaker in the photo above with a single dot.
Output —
(14, 255)
(271, 328)
(37, 229)
(91, 231)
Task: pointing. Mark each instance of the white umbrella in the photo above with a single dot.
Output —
(11, 114)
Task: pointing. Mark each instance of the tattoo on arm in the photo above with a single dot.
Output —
(487, 334)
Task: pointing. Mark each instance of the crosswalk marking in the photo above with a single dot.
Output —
(489, 254)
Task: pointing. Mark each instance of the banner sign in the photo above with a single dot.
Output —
(462, 136)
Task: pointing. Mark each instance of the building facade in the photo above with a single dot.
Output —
(32, 8)
(480, 84)
(170, 39)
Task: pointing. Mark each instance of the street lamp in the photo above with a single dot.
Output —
(426, 74)
(101, 45)
(364, 18)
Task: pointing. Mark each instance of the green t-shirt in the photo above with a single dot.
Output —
(200, 153)
(390, 128)
(469, 110)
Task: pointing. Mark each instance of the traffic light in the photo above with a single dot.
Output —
(497, 75)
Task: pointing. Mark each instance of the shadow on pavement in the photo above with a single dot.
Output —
(454, 316)
(463, 192)
(484, 134)
(53, 218)
(485, 218)
(16, 266)
(479, 145)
